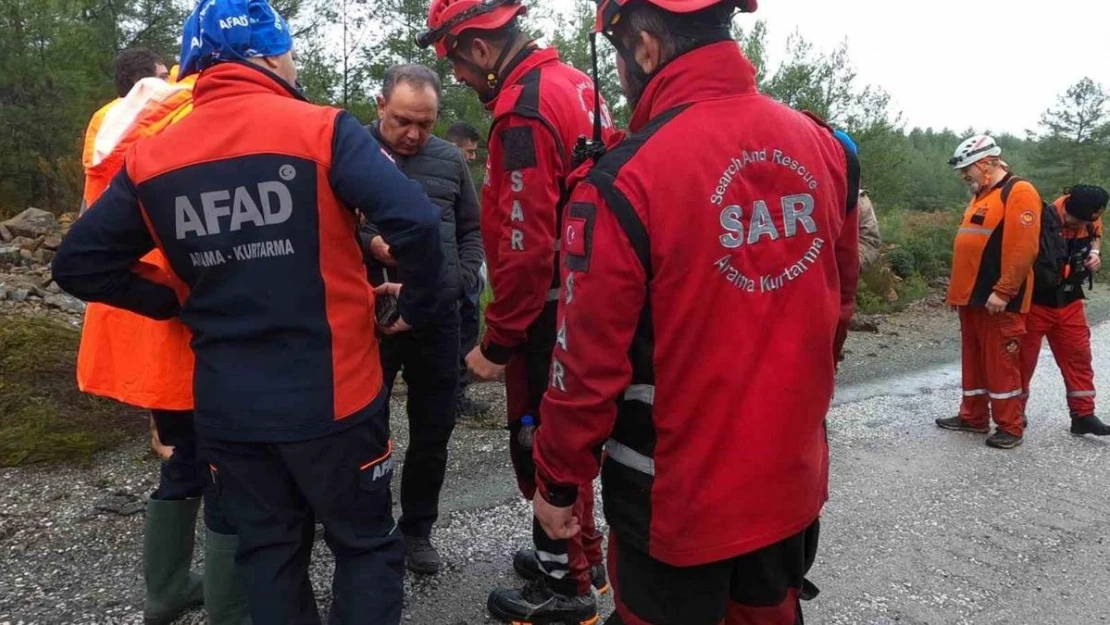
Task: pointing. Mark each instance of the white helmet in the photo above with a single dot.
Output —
(973, 150)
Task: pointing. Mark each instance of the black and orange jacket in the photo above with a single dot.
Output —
(1080, 241)
(710, 264)
(996, 246)
(538, 116)
(250, 198)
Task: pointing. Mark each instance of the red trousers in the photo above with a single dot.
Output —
(1069, 337)
(992, 381)
(526, 379)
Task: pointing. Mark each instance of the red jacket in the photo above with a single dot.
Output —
(538, 116)
(711, 261)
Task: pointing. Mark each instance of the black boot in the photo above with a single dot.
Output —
(540, 603)
(421, 557)
(527, 566)
(471, 408)
(957, 423)
(1003, 440)
(1089, 424)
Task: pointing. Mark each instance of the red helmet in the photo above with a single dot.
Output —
(447, 19)
(608, 11)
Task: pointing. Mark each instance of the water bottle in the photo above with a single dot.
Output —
(527, 431)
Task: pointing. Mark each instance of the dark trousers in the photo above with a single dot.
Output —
(184, 475)
(759, 588)
(273, 492)
(427, 358)
(469, 311)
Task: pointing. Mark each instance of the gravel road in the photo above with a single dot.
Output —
(924, 526)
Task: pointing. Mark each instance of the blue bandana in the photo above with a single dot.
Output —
(227, 30)
(847, 141)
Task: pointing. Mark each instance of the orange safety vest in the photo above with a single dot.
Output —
(125, 356)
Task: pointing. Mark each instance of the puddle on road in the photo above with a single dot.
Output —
(922, 382)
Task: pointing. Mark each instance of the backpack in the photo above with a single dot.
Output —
(1050, 266)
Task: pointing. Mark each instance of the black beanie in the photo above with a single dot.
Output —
(1084, 201)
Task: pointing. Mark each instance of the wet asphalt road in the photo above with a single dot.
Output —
(923, 525)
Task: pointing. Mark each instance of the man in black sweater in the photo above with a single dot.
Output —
(429, 355)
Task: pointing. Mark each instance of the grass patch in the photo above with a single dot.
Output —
(43, 417)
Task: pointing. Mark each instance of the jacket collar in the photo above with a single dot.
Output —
(536, 58)
(718, 70)
(237, 78)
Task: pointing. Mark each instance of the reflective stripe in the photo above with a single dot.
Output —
(1081, 394)
(551, 557)
(975, 392)
(629, 457)
(553, 295)
(644, 393)
(1010, 395)
(975, 230)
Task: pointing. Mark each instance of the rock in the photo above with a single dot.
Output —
(26, 254)
(52, 243)
(65, 302)
(9, 255)
(19, 295)
(54, 289)
(863, 324)
(939, 283)
(123, 504)
(39, 256)
(47, 256)
(32, 244)
(891, 296)
(5, 234)
(32, 223)
(3, 292)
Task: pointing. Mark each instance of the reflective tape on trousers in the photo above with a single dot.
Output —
(622, 454)
(644, 393)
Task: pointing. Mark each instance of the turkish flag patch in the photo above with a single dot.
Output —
(574, 236)
(577, 235)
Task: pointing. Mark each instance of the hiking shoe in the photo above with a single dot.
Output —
(527, 566)
(538, 604)
(467, 407)
(958, 424)
(421, 557)
(1003, 440)
(1089, 424)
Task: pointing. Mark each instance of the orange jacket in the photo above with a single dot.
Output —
(124, 356)
(996, 246)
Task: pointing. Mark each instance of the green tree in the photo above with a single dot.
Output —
(1075, 137)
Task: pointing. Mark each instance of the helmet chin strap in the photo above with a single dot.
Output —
(493, 75)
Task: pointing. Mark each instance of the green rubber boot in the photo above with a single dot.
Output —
(225, 599)
(168, 540)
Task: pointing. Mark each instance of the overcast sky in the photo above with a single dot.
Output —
(986, 64)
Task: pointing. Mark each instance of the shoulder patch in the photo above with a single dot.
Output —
(518, 146)
(1028, 218)
(577, 236)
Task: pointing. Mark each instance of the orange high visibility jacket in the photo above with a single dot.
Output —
(124, 356)
(996, 246)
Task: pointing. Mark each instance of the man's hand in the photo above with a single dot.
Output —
(1094, 261)
(165, 452)
(481, 367)
(394, 289)
(996, 304)
(557, 523)
(379, 249)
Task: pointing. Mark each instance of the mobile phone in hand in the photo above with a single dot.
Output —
(386, 310)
